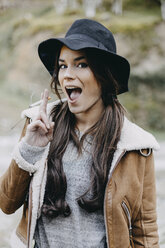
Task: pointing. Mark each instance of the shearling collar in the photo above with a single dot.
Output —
(132, 136)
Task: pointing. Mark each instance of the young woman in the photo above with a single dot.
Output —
(83, 171)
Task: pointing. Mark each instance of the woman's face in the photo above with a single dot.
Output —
(78, 82)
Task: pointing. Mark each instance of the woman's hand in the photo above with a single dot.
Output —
(40, 131)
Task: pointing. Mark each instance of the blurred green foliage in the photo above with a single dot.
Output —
(146, 100)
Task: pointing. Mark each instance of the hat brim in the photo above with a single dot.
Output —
(120, 67)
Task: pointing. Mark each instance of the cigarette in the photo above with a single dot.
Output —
(37, 103)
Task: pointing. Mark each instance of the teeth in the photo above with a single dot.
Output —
(71, 87)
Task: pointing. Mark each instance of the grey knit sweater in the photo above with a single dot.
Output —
(81, 229)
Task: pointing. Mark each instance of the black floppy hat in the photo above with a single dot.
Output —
(86, 33)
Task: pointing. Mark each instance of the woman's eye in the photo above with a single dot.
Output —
(62, 66)
(82, 65)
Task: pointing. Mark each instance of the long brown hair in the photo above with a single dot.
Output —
(106, 134)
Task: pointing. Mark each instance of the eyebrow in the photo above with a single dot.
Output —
(76, 59)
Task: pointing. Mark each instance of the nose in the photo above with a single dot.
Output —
(69, 73)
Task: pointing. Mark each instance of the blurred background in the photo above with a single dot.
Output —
(139, 30)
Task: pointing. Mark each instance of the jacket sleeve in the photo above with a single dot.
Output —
(145, 230)
(14, 185)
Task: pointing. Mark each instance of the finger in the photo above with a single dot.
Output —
(37, 124)
(43, 108)
(44, 119)
(43, 105)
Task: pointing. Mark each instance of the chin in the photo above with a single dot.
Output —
(76, 110)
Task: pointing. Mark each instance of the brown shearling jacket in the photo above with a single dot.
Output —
(130, 196)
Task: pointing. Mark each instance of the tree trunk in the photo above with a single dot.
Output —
(90, 7)
(117, 7)
(163, 9)
(72, 4)
(60, 6)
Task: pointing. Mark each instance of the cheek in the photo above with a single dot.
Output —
(92, 92)
(92, 82)
(93, 88)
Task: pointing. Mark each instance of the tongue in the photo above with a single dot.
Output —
(75, 94)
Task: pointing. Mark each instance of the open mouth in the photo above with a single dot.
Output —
(73, 92)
